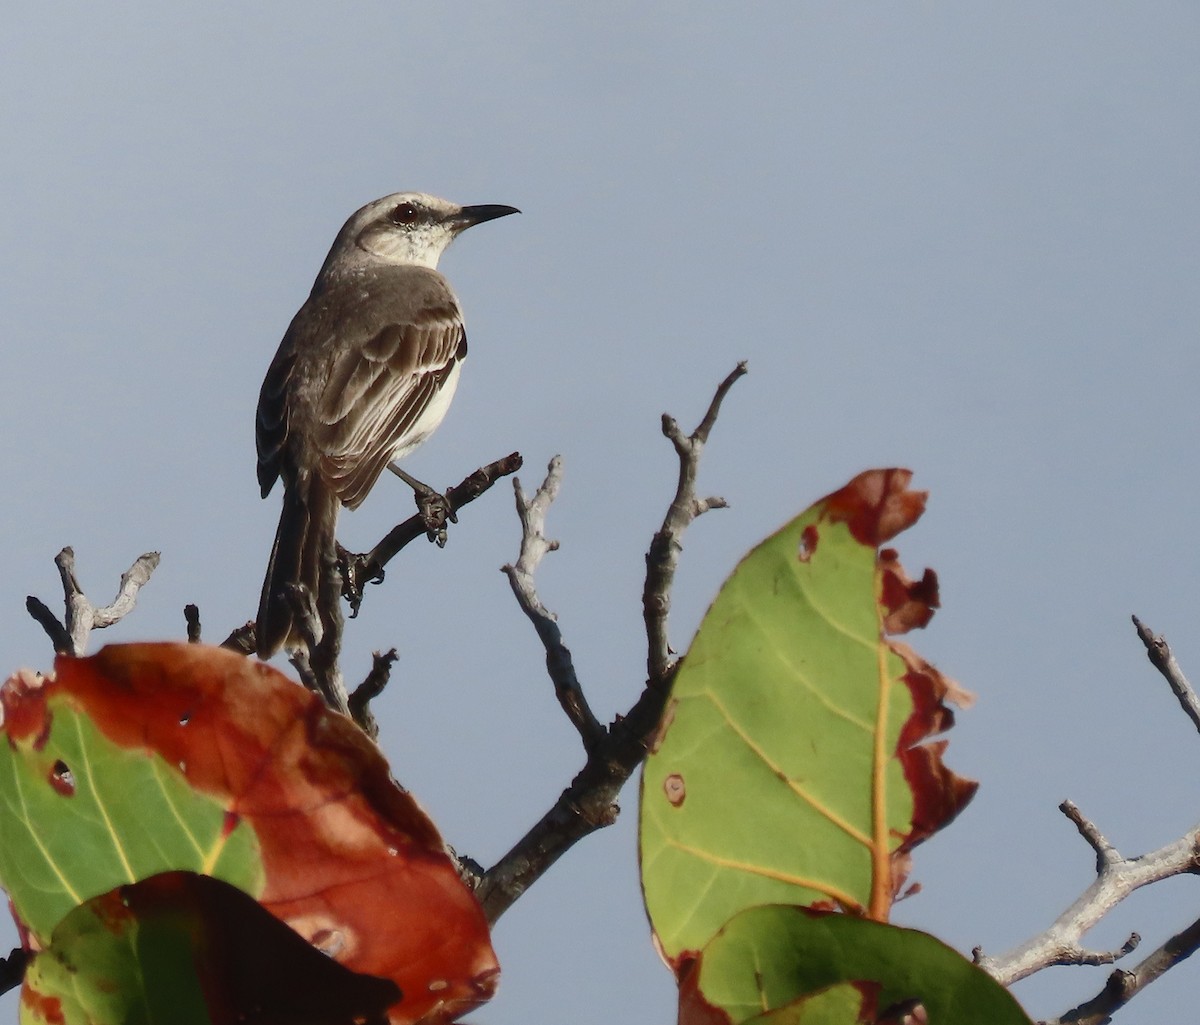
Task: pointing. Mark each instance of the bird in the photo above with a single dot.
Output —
(364, 374)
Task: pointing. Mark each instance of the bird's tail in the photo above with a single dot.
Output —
(304, 546)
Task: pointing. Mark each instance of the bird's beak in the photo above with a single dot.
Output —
(471, 215)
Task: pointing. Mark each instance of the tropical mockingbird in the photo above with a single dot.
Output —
(364, 374)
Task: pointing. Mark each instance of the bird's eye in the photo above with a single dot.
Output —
(404, 214)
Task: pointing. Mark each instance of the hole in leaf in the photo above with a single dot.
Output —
(330, 942)
(808, 543)
(61, 779)
(907, 1012)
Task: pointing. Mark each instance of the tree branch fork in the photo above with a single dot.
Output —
(1117, 877)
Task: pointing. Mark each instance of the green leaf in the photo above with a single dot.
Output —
(791, 765)
(80, 814)
(186, 949)
(766, 958)
(844, 1003)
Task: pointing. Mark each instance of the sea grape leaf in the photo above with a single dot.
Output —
(842, 1003)
(768, 958)
(190, 950)
(792, 765)
(148, 758)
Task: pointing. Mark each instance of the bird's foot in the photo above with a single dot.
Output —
(434, 507)
(436, 511)
(357, 571)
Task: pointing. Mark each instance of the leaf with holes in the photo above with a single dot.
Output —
(148, 758)
(792, 765)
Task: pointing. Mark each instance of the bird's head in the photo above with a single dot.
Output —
(410, 228)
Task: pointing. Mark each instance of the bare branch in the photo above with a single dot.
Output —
(663, 557)
(534, 546)
(71, 636)
(1117, 877)
(367, 691)
(49, 621)
(1160, 656)
(1106, 853)
(131, 582)
(359, 570)
(191, 616)
(1124, 984)
(589, 803)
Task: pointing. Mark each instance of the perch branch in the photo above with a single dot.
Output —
(359, 570)
(613, 752)
(318, 619)
(70, 637)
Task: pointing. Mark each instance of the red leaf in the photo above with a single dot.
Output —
(351, 862)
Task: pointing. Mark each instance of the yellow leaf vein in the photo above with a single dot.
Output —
(763, 871)
(818, 806)
(18, 786)
(756, 620)
(101, 807)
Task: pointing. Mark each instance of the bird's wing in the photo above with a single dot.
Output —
(385, 397)
(271, 422)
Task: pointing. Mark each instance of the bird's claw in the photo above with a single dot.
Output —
(436, 512)
(357, 571)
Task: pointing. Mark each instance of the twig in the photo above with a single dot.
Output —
(71, 636)
(663, 557)
(1160, 656)
(1117, 877)
(1124, 984)
(371, 687)
(191, 616)
(589, 803)
(132, 581)
(49, 621)
(534, 546)
(359, 570)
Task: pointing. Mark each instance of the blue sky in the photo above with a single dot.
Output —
(959, 238)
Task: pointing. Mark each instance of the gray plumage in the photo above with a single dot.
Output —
(363, 376)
